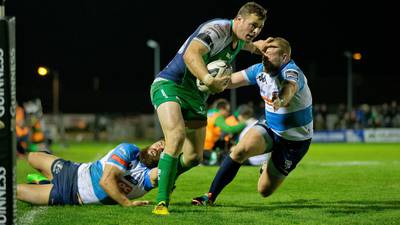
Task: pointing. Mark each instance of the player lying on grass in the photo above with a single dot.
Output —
(287, 130)
(123, 174)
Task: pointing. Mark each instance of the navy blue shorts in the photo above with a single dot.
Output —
(65, 183)
(285, 154)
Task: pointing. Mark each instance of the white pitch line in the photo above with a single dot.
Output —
(347, 163)
(29, 217)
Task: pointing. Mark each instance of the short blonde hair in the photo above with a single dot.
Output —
(284, 45)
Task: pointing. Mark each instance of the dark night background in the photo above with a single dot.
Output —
(88, 40)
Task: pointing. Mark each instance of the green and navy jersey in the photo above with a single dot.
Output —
(216, 35)
(295, 120)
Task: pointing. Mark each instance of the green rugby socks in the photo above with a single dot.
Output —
(167, 167)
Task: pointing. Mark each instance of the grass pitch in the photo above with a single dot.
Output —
(333, 184)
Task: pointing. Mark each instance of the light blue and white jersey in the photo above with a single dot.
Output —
(293, 122)
(135, 181)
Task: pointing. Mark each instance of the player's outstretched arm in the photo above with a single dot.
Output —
(139, 203)
(237, 80)
(109, 182)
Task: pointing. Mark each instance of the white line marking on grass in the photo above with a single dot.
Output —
(348, 163)
(29, 217)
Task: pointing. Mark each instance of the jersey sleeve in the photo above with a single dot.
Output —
(250, 74)
(122, 155)
(294, 75)
(212, 34)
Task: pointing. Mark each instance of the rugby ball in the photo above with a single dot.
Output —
(216, 68)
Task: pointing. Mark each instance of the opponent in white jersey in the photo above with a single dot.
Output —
(287, 130)
(294, 120)
(124, 173)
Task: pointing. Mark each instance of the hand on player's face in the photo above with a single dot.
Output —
(266, 44)
(272, 59)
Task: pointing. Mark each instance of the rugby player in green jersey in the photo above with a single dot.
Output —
(181, 106)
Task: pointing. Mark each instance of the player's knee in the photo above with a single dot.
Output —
(239, 154)
(265, 192)
(32, 157)
(178, 137)
(20, 191)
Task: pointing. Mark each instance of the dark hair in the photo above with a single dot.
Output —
(221, 103)
(253, 8)
(148, 160)
(246, 111)
(284, 45)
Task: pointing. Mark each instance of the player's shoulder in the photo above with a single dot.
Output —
(255, 69)
(291, 65)
(127, 148)
(218, 25)
(292, 72)
(219, 21)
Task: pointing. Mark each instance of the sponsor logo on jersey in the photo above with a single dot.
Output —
(292, 75)
(219, 30)
(228, 55)
(270, 101)
(131, 180)
(262, 78)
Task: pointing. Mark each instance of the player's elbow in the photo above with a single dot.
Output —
(188, 57)
(102, 184)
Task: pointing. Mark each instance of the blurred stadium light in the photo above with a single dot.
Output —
(156, 47)
(44, 71)
(349, 57)
(357, 56)
(2, 10)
